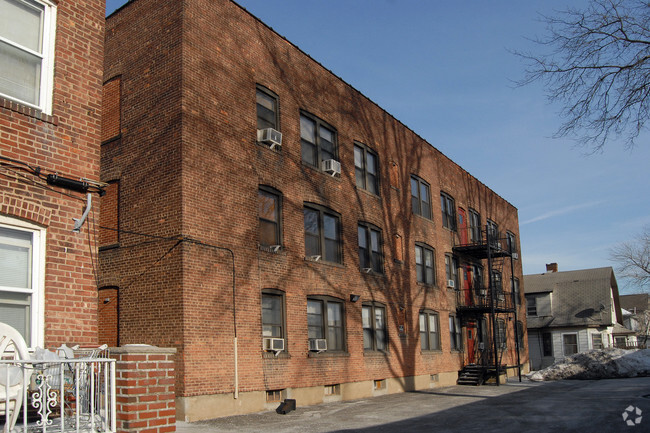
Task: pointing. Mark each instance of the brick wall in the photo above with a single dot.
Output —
(189, 164)
(67, 143)
(145, 389)
(107, 311)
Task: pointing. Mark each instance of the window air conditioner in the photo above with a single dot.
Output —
(317, 344)
(451, 284)
(482, 292)
(515, 256)
(331, 166)
(481, 346)
(274, 344)
(269, 136)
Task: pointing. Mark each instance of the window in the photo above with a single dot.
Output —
(520, 335)
(511, 242)
(493, 231)
(570, 344)
(267, 109)
(547, 344)
(515, 290)
(325, 320)
(420, 197)
(109, 215)
(531, 305)
(22, 266)
(501, 334)
(429, 330)
(448, 207)
(370, 248)
(322, 233)
(497, 285)
(455, 333)
(27, 52)
(596, 341)
(317, 141)
(424, 266)
(366, 168)
(477, 280)
(451, 268)
(273, 314)
(269, 210)
(373, 319)
(474, 226)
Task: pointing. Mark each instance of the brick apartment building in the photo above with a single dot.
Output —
(346, 258)
(51, 60)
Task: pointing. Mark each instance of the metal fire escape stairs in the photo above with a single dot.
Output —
(493, 249)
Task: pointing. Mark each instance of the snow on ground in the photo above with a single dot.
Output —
(598, 364)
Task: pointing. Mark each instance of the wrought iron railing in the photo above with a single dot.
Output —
(480, 299)
(67, 395)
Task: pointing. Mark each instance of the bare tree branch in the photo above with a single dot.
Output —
(633, 259)
(597, 65)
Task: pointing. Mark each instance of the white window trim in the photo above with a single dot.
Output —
(46, 90)
(38, 276)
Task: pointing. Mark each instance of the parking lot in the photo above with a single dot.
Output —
(562, 406)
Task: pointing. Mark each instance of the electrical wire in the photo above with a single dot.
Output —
(38, 173)
(20, 177)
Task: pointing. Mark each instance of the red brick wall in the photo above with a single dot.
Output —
(144, 392)
(66, 143)
(109, 216)
(108, 310)
(182, 296)
(111, 112)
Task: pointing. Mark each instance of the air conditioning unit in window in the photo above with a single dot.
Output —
(269, 136)
(331, 166)
(451, 284)
(482, 292)
(515, 256)
(317, 344)
(481, 346)
(274, 345)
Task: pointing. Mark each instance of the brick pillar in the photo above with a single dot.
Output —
(144, 382)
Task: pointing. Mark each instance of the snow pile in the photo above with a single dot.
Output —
(598, 364)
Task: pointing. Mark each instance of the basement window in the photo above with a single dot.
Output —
(274, 396)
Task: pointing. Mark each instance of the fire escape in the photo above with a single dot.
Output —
(487, 251)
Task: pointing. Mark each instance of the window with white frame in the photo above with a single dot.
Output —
(22, 266)
(429, 330)
(373, 319)
(570, 344)
(325, 320)
(27, 52)
(455, 333)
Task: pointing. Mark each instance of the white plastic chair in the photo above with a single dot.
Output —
(12, 346)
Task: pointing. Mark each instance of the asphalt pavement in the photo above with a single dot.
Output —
(609, 405)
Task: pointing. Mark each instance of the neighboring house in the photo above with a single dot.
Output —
(288, 236)
(570, 312)
(51, 56)
(638, 305)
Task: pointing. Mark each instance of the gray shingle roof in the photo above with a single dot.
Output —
(639, 302)
(578, 298)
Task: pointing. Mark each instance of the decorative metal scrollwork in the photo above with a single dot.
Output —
(44, 399)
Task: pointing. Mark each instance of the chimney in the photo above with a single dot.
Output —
(551, 267)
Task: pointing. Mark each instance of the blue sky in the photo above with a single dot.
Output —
(445, 70)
